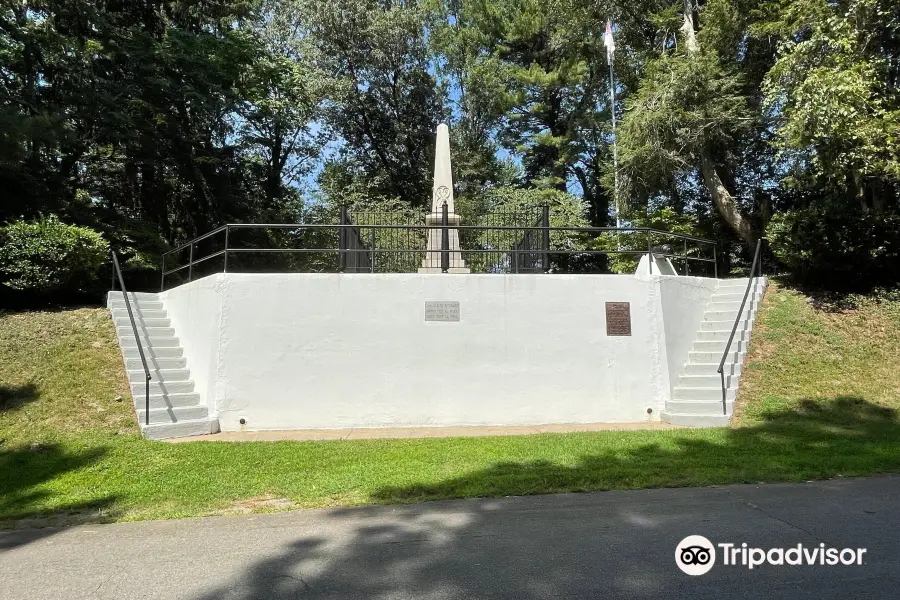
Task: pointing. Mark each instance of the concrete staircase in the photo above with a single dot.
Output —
(697, 399)
(175, 408)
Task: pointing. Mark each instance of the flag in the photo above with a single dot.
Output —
(609, 43)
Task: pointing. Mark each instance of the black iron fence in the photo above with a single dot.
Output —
(365, 243)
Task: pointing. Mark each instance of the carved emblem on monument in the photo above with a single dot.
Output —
(443, 194)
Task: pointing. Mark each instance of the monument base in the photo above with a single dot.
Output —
(439, 270)
(661, 266)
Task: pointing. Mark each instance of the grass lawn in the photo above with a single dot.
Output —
(819, 399)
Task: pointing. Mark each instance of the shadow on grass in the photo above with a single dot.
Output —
(13, 397)
(838, 301)
(23, 471)
(618, 545)
(812, 440)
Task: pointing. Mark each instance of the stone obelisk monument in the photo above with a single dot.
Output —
(442, 193)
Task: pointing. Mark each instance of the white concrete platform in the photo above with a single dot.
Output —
(326, 352)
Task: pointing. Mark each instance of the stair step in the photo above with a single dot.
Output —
(739, 290)
(151, 351)
(129, 342)
(736, 345)
(153, 295)
(138, 305)
(175, 409)
(696, 420)
(143, 313)
(124, 330)
(729, 306)
(162, 387)
(173, 415)
(714, 357)
(706, 381)
(721, 335)
(142, 321)
(697, 399)
(711, 368)
(162, 431)
(155, 363)
(726, 315)
(735, 297)
(745, 323)
(701, 394)
(166, 401)
(160, 375)
(690, 407)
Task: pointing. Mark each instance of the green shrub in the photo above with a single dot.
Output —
(48, 256)
(837, 247)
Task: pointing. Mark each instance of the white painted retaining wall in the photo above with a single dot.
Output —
(298, 351)
(195, 311)
(683, 300)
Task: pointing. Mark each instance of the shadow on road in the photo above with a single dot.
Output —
(493, 549)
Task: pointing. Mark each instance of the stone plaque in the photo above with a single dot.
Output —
(441, 310)
(618, 318)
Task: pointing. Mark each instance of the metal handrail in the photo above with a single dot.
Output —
(750, 283)
(198, 261)
(196, 239)
(472, 227)
(426, 251)
(137, 338)
(467, 227)
(541, 228)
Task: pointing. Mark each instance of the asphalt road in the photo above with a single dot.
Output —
(602, 545)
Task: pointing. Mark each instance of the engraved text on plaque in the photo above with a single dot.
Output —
(437, 310)
(618, 318)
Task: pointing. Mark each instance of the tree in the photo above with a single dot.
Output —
(694, 114)
(177, 114)
(834, 97)
(533, 74)
(383, 105)
(283, 95)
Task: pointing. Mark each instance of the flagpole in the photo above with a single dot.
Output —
(612, 97)
(610, 53)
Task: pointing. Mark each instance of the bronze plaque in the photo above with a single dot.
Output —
(618, 318)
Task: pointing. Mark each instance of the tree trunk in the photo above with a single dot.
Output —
(722, 198)
(724, 201)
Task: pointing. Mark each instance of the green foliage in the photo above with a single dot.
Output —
(156, 122)
(507, 206)
(661, 218)
(48, 256)
(829, 245)
(179, 114)
(830, 92)
(686, 105)
(566, 210)
(534, 72)
(381, 100)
